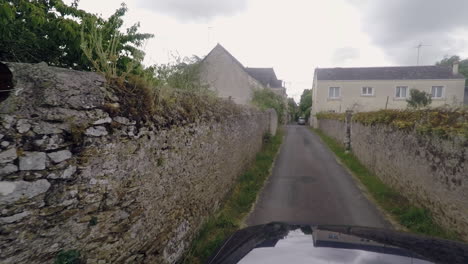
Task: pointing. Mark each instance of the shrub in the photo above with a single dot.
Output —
(331, 115)
(265, 98)
(441, 122)
(419, 99)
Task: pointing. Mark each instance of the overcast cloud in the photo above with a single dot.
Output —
(344, 55)
(296, 36)
(398, 26)
(191, 10)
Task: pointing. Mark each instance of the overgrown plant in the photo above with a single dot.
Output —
(419, 99)
(305, 104)
(265, 98)
(331, 115)
(52, 32)
(293, 109)
(103, 59)
(441, 122)
(107, 48)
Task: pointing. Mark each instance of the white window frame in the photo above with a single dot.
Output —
(442, 93)
(334, 97)
(401, 97)
(367, 88)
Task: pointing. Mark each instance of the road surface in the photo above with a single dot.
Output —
(308, 186)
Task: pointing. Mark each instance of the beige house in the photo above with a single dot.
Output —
(224, 74)
(370, 89)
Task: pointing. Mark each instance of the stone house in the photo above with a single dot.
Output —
(267, 77)
(224, 74)
(375, 88)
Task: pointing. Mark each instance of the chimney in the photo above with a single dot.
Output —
(455, 68)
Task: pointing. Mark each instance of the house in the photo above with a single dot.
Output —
(224, 74)
(267, 77)
(375, 88)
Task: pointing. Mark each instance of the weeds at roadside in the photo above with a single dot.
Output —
(237, 205)
(416, 219)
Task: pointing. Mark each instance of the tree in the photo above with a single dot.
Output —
(265, 98)
(463, 64)
(305, 104)
(293, 109)
(51, 31)
(419, 99)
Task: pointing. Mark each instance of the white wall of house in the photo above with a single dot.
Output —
(351, 98)
(225, 76)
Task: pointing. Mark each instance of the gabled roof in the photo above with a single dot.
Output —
(263, 75)
(387, 73)
(266, 76)
(218, 46)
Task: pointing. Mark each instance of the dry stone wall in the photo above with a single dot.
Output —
(74, 177)
(430, 171)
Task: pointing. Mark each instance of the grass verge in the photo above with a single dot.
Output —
(415, 219)
(237, 205)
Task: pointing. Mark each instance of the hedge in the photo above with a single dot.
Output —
(441, 122)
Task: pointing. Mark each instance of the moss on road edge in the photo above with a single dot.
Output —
(414, 218)
(237, 205)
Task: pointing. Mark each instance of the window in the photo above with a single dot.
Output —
(334, 92)
(401, 91)
(367, 91)
(437, 91)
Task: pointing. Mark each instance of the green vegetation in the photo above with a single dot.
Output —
(305, 104)
(293, 109)
(53, 32)
(419, 99)
(265, 98)
(440, 122)
(416, 219)
(463, 64)
(68, 257)
(331, 115)
(237, 205)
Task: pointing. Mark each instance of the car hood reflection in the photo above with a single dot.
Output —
(286, 243)
(327, 247)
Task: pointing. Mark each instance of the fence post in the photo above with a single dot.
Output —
(347, 139)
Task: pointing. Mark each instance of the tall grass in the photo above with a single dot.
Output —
(415, 219)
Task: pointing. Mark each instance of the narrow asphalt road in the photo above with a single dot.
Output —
(309, 186)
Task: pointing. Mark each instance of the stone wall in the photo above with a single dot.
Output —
(430, 171)
(74, 177)
(333, 128)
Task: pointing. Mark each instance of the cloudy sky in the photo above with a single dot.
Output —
(296, 36)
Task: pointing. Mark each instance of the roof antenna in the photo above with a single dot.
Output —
(419, 49)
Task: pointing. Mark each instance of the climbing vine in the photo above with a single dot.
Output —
(442, 122)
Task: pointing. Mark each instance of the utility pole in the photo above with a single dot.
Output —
(419, 49)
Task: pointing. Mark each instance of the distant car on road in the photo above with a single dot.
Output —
(301, 121)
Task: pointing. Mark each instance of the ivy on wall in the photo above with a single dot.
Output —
(440, 122)
(331, 115)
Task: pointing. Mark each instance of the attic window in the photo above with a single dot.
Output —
(6, 82)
